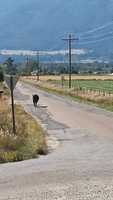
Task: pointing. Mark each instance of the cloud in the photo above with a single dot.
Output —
(42, 53)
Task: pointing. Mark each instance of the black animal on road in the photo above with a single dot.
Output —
(35, 99)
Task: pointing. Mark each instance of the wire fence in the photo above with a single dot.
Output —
(98, 87)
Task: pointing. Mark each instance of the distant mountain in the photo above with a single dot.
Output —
(41, 24)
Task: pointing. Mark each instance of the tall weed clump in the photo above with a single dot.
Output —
(29, 140)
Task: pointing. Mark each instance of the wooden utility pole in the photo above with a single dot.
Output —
(38, 66)
(70, 39)
(12, 103)
(27, 61)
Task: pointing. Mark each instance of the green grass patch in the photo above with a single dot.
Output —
(104, 85)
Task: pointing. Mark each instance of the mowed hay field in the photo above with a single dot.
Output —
(74, 77)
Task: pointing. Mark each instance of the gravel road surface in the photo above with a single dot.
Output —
(79, 165)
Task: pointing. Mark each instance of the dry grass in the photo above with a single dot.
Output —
(29, 140)
(74, 77)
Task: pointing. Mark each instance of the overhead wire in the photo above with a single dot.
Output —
(98, 36)
(96, 29)
(95, 35)
(95, 41)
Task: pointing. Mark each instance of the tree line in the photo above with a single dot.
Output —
(29, 67)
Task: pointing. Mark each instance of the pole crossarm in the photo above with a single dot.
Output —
(70, 38)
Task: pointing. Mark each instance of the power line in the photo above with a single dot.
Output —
(97, 36)
(95, 41)
(96, 29)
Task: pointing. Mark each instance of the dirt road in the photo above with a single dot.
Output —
(81, 165)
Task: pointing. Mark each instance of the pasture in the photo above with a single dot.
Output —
(89, 82)
(101, 85)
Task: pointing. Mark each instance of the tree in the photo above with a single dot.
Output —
(62, 70)
(1, 74)
(10, 67)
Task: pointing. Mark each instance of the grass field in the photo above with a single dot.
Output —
(104, 85)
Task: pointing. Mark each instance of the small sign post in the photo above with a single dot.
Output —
(11, 83)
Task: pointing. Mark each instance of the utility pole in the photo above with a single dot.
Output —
(27, 61)
(38, 65)
(12, 103)
(70, 39)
